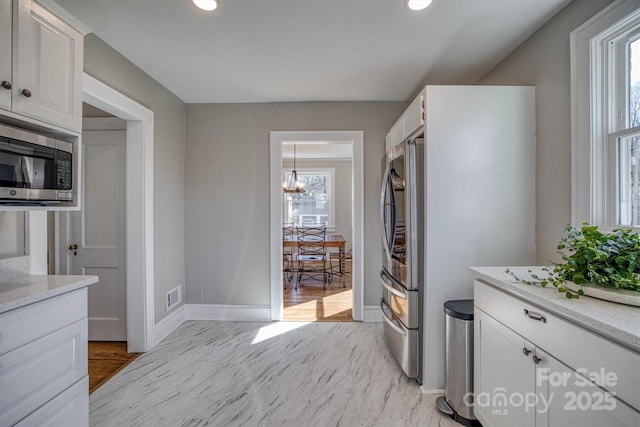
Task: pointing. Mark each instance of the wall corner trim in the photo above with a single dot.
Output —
(372, 314)
(169, 324)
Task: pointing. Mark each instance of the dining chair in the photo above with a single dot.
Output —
(340, 270)
(312, 254)
(288, 253)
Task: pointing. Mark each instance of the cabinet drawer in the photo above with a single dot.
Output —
(33, 374)
(70, 409)
(25, 324)
(577, 347)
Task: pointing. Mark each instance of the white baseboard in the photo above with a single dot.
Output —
(169, 324)
(241, 313)
(431, 391)
(372, 313)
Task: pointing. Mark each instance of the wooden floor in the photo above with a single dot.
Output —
(311, 303)
(106, 358)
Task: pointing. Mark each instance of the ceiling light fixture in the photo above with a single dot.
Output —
(207, 5)
(417, 4)
(293, 186)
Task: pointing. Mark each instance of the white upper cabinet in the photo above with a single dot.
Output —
(411, 120)
(5, 54)
(46, 75)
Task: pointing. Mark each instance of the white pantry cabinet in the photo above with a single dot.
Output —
(41, 78)
(525, 377)
(43, 362)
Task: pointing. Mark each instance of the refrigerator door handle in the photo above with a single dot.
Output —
(393, 323)
(392, 285)
(383, 214)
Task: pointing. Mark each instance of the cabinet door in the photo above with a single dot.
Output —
(70, 409)
(503, 374)
(414, 116)
(5, 53)
(567, 398)
(47, 67)
(34, 373)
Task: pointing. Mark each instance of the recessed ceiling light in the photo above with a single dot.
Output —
(418, 4)
(207, 5)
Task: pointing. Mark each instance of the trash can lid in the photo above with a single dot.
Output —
(460, 309)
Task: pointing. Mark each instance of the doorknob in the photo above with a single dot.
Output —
(74, 248)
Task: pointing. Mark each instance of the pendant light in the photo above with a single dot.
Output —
(293, 186)
(207, 5)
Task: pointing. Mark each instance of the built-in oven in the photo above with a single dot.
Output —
(35, 168)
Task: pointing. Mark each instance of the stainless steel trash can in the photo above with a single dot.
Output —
(457, 401)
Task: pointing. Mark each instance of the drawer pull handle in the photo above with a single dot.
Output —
(536, 359)
(526, 351)
(535, 316)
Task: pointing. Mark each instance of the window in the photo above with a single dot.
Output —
(315, 206)
(624, 131)
(606, 118)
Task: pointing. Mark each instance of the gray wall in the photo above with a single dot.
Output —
(543, 61)
(227, 190)
(107, 65)
(341, 198)
(12, 229)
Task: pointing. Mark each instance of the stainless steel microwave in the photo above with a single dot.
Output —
(34, 168)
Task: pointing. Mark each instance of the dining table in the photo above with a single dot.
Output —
(331, 241)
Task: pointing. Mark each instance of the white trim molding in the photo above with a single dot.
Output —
(276, 138)
(236, 313)
(139, 189)
(435, 391)
(372, 314)
(169, 324)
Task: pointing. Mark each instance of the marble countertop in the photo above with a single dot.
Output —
(617, 322)
(24, 290)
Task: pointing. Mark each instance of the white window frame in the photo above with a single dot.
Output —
(595, 112)
(331, 174)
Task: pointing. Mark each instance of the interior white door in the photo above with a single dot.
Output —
(99, 231)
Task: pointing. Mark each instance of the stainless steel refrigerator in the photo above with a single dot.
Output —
(401, 207)
(458, 190)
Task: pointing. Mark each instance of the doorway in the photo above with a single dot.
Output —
(320, 157)
(138, 212)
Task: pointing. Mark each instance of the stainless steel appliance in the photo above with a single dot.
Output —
(401, 206)
(34, 168)
(457, 401)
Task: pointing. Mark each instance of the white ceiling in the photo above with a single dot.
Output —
(311, 50)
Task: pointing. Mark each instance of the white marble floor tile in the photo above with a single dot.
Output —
(246, 374)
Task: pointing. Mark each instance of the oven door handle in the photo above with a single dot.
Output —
(392, 285)
(393, 323)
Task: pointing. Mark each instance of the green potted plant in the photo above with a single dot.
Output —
(610, 260)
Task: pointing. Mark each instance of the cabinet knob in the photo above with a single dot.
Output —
(536, 359)
(26, 93)
(6, 84)
(526, 351)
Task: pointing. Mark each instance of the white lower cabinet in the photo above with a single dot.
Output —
(43, 374)
(573, 400)
(69, 408)
(501, 372)
(519, 383)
